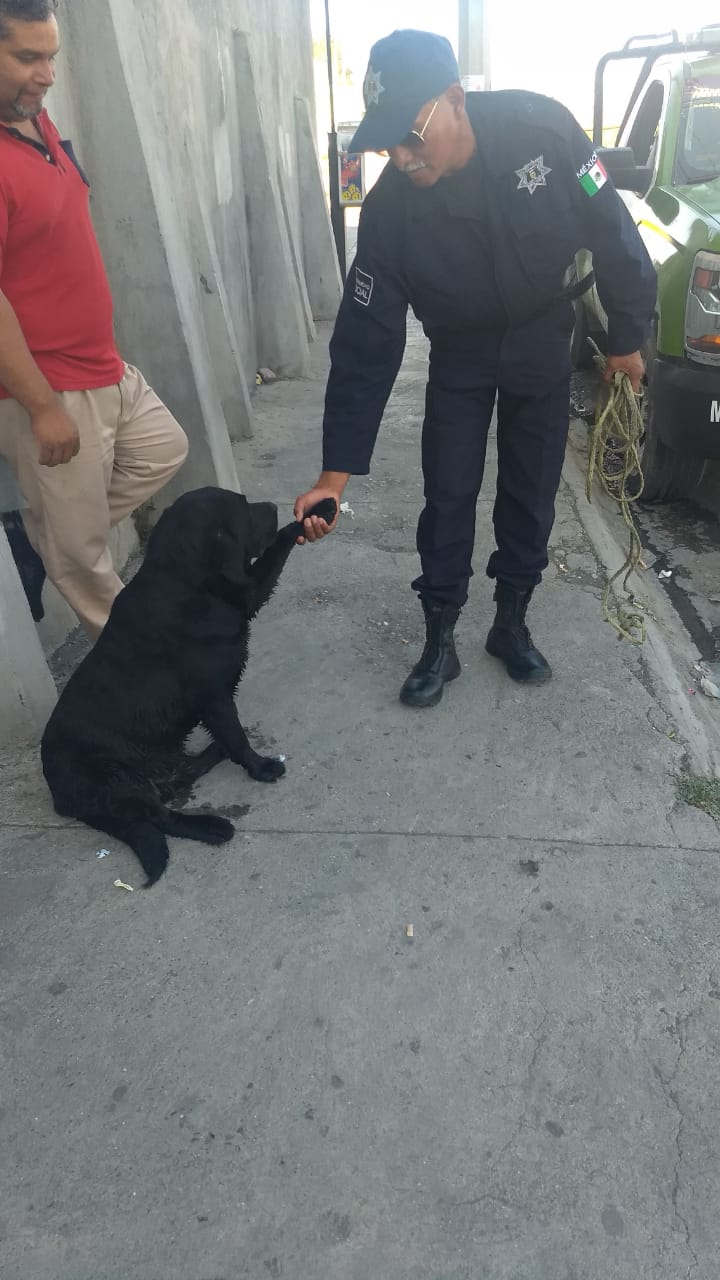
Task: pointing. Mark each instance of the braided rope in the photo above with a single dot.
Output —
(614, 458)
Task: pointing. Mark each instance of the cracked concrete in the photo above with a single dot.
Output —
(680, 1032)
(252, 1071)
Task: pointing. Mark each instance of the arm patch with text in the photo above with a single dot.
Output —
(363, 287)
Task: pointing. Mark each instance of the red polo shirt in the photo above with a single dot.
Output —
(51, 270)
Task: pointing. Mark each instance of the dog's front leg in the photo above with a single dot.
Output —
(266, 570)
(221, 720)
(265, 573)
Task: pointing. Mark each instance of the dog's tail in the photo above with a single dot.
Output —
(145, 839)
(147, 835)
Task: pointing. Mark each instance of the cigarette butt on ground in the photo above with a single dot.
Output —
(120, 884)
(409, 931)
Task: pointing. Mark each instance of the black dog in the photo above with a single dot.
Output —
(170, 657)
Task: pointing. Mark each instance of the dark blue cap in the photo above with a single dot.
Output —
(406, 69)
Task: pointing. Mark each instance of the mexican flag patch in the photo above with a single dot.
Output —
(592, 176)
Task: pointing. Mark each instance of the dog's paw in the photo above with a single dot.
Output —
(217, 830)
(326, 509)
(267, 768)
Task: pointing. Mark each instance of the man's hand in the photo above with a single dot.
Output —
(633, 365)
(56, 434)
(330, 485)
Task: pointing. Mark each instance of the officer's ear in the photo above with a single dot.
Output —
(455, 95)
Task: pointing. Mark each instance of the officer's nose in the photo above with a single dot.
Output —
(401, 156)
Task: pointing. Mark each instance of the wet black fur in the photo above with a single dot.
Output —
(170, 658)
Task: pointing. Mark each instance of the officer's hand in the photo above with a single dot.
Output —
(633, 365)
(57, 436)
(315, 527)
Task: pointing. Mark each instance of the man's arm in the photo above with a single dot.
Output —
(54, 430)
(366, 352)
(626, 280)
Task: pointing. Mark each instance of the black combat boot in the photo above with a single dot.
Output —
(27, 561)
(510, 640)
(439, 662)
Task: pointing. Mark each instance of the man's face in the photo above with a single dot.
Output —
(27, 68)
(425, 162)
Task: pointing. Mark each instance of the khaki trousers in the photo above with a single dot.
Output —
(130, 446)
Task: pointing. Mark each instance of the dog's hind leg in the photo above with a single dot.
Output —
(148, 837)
(175, 783)
(193, 767)
(208, 828)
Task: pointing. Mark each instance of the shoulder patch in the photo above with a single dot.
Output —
(592, 176)
(364, 285)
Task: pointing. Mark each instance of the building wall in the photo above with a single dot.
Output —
(191, 120)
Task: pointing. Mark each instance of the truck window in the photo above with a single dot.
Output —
(698, 158)
(643, 134)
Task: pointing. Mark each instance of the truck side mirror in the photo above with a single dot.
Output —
(625, 173)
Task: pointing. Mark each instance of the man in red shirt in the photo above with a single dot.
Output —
(87, 438)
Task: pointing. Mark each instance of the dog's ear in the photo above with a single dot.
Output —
(231, 557)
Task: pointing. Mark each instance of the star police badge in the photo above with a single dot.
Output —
(372, 88)
(532, 175)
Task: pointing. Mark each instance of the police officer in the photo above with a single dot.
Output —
(475, 225)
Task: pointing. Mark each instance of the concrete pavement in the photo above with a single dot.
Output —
(251, 1071)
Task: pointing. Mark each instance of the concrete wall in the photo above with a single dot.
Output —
(176, 163)
(190, 118)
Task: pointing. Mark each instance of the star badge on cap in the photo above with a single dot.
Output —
(532, 175)
(372, 88)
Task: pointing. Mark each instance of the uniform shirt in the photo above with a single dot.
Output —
(51, 270)
(452, 226)
(489, 246)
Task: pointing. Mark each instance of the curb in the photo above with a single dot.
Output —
(668, 649)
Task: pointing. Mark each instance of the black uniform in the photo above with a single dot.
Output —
(481, 257)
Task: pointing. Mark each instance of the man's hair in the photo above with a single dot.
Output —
(24, 11)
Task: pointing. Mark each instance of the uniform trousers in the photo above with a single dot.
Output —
(526, 369)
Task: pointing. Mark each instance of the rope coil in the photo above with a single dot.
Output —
(614, 459)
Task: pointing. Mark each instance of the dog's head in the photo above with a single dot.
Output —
(211, 534)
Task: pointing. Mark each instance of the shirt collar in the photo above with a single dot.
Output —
(460, 193)
(40, 121)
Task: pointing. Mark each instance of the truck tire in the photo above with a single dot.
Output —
(581, 353)
(669, 476)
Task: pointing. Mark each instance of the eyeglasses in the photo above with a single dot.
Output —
(416, 137)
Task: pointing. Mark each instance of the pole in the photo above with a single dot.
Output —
(337, 213)
(474, 43)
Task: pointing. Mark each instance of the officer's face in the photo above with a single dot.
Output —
(432, 150)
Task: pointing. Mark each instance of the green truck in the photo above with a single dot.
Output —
(666, 166)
